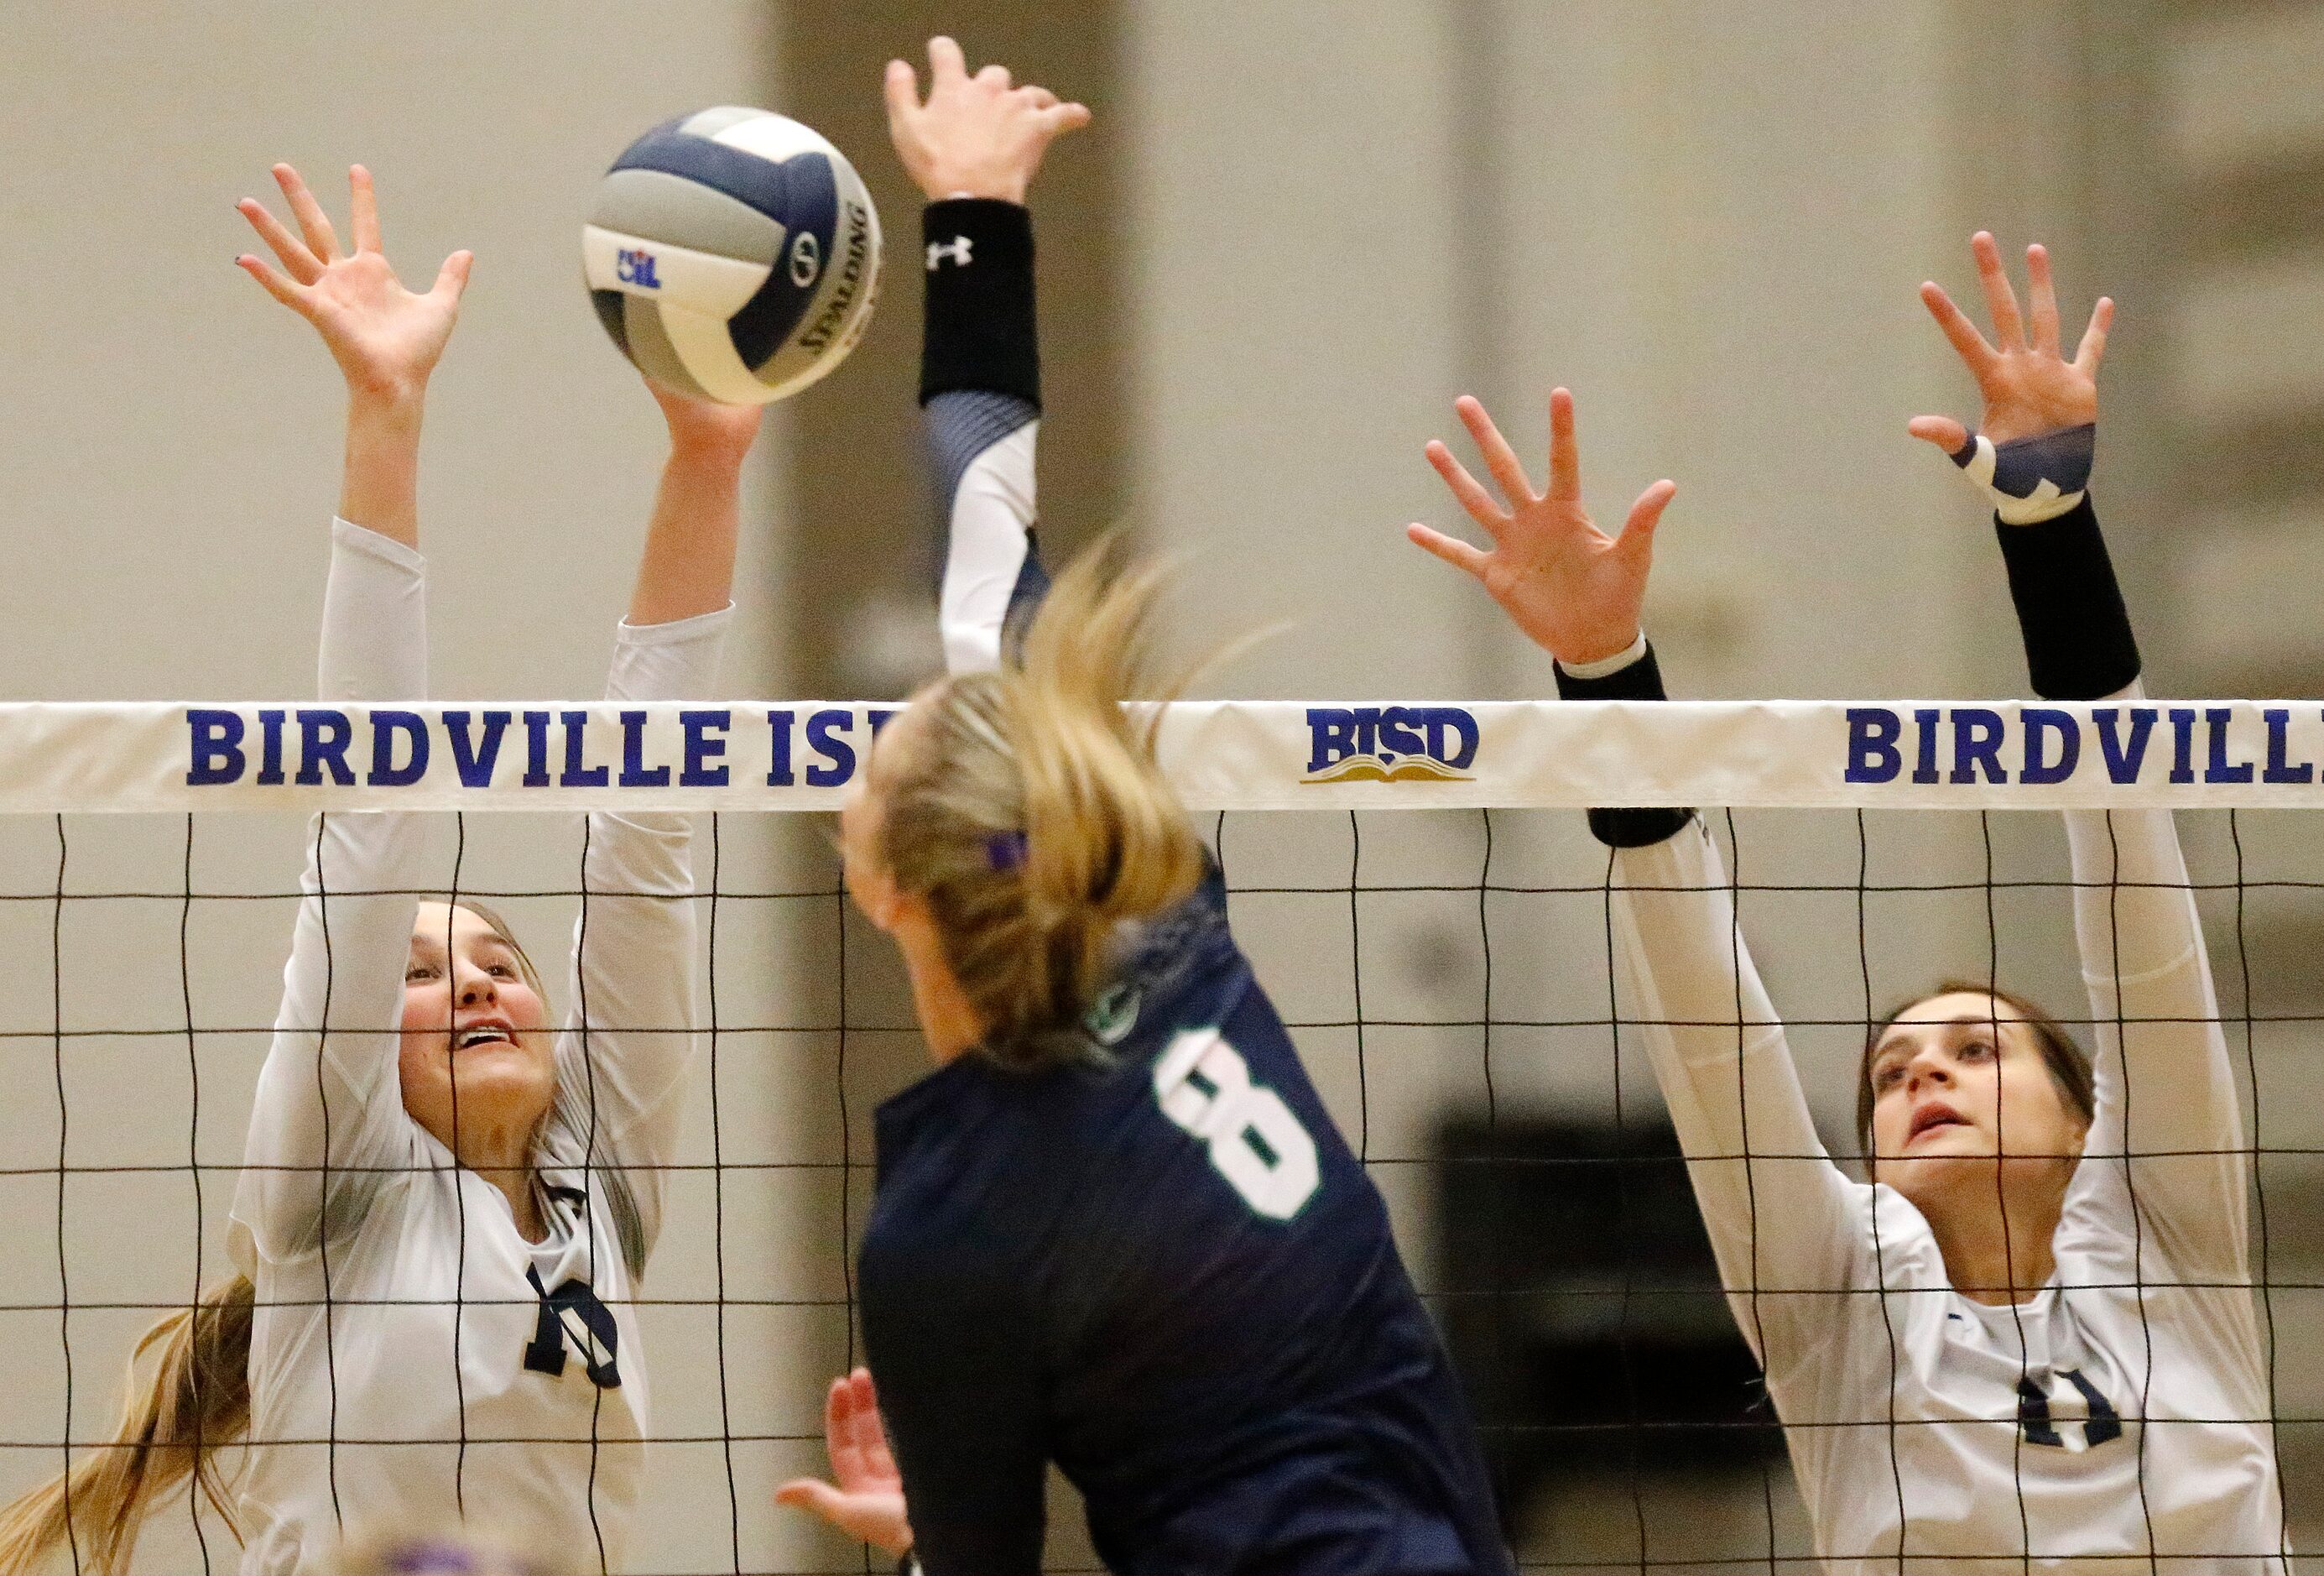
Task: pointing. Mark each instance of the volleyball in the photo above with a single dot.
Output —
(732, 253)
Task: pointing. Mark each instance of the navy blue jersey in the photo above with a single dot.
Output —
(1163, 1270)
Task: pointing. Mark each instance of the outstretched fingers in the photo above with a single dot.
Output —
(1564, 449)
(1450, 549)
(947, 64)
(1637, 538)
(1967, 342)
(274, 284)
(871, 1434)
(902, 85)
(1467, 491)
(1942, 431)
(813, 1494)
(2000, 299)
(313, 223)
(1500, 460)
(363, 210)
(452, 279)
(2092, 349)
(2041, 298)
(296, 259)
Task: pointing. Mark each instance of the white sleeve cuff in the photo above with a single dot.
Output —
(374, 639)
(346, 532)
(675, 661)
(1607, 667)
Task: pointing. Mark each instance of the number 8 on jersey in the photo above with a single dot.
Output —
(1203, 1085)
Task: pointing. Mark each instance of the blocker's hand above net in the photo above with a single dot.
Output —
(867, 1499)
(2034, 442)
(1574, 590)
(386, 338)
(976, 136)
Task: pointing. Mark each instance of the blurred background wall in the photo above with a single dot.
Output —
(1295, 233)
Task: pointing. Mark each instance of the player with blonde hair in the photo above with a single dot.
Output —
(447, 1202)
(2030, 1340)
(1115, 1227)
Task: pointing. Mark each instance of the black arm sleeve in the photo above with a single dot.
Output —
(981, 332)
(981, 405)
(963, 1407)
(2079, 644)
(1641, 680)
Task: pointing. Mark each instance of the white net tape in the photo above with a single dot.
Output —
(1227, 755)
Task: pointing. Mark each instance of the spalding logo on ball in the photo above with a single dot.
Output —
(734, 255)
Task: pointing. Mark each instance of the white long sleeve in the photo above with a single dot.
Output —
(329, 1126)
(621, 1062)
(2161, 1189)
(1784, 1220)
(983, 445)
(396, 1371)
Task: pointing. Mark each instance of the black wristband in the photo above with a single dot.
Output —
(980, 331)
(1626, 829)
(2079, 644)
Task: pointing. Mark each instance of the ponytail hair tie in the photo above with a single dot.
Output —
(1004, 851)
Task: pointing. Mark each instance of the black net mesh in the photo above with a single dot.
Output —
(1447, 977)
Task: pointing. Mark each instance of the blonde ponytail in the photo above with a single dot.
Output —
(1027, 809)
(196, 1399)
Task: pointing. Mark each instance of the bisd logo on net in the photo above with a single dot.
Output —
(1390, 744)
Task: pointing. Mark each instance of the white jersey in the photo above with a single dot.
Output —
(2124, 1410)
(401, 1366)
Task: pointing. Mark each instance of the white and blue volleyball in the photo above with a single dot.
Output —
(734, 255)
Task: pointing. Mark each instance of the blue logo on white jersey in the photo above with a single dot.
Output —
(636, 268)
(1390, 744)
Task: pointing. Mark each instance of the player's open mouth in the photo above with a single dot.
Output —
(476, 1034)
(1933, 1117)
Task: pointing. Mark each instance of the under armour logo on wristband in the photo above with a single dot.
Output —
(956, 250)
(2032, 479)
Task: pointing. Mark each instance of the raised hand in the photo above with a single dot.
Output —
(706, 427)
(386, 338)
(2028, 386)
(1574, 590)
(976, 136)
(868, 1498)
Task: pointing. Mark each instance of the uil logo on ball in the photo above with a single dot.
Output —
(636, 268)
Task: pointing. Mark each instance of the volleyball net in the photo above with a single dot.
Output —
(1417, 892)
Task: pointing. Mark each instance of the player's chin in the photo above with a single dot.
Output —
(1942, 1163)
(502, 1068)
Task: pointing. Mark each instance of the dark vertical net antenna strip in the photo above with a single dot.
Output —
(718, 1215)
(1496, 1192)
(2259, 1192)
(1743, 1133)
(2001, 1197)
(1356, 983)
(194, 1173)
(1871, 1163)
(589, 1154)
(846, 1139)
(64, 1280)
(323, 1175)
(459, 1192)
(2129, 1171)
(1622, 1220)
